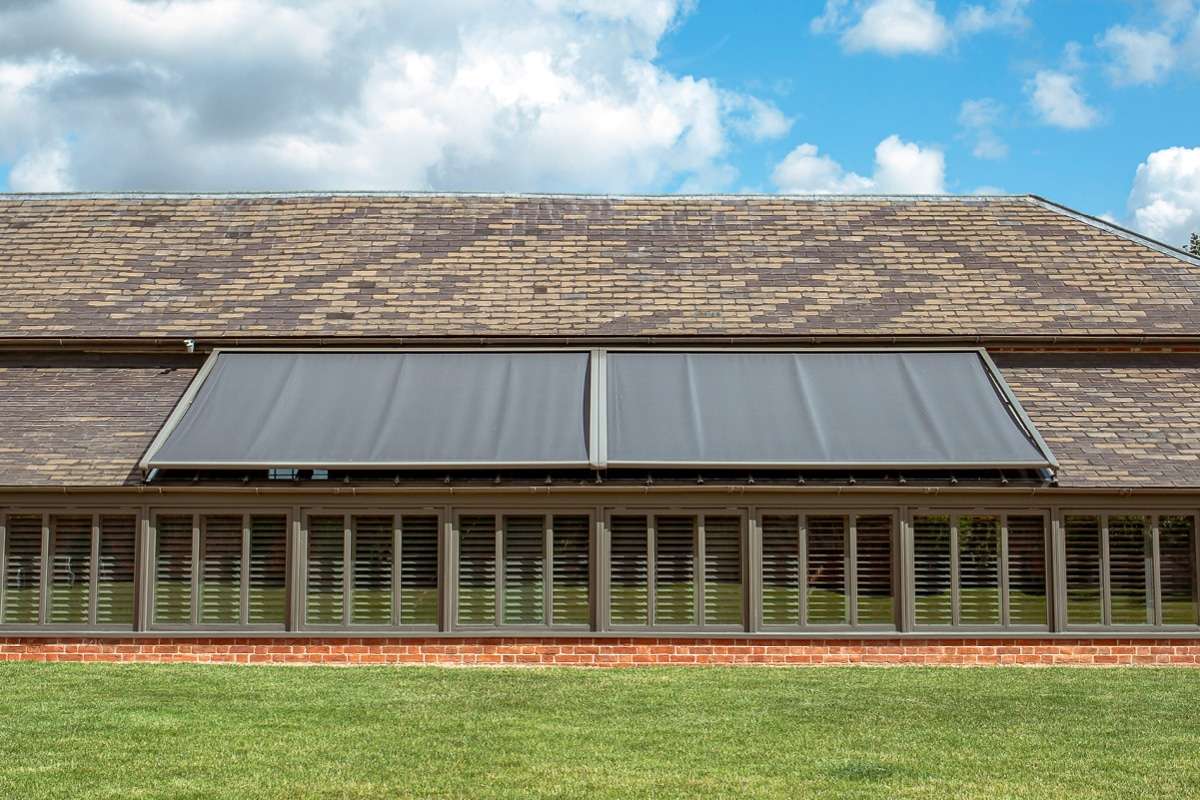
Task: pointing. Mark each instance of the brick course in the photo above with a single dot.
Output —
(623, 652)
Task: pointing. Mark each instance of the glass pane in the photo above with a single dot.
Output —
(477, 570)
(630, 571)
(325, 602)
(931, 568)
(114, 589)
(1130, 570)
(781, 570)
(571, 570)
(371, 595)
(524, 570)
(419, 570)
(827, 600)
(979, 570)
(1027, 571)
(221, 571)
(71, 568)
(675, 570)
(874, 558)
(1083, 570)
(268, 569)
(173, 569)
(723, 570)
(1177, 557)
(23, 569)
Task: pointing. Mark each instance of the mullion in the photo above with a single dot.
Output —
(94, 572)
(347, 569)
(397, 564)
(197, 569)
(699, 561)
(244, 570)
(1154, 576)
(45, 570)
(802, 579)
(955, 576)
(498, 542)
(1105, 575)
(3, 563)
(851, 561)
(1004, 610)
(651, 567)
(548, 570)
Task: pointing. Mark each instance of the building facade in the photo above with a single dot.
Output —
(359, 428)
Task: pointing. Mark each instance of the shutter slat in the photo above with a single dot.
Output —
(326, 571)
(723, 570)
(826, 548)
(524, 570)
(1130, 570)
(572, 578)
(630, 590)
(1027, 571)
(71, 568)
(477, 570)
(781, 570)
(675, 570)
(979, 570)
(173, 569)
(1083, 570)
(22, 569)
(419, 570)
(221, 569)
(1177, 554)
(268, 569)
(931, 568)
(874, 557)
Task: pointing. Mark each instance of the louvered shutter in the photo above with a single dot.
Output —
(931, 570)
(372, 539)
(418, 570)
(267, 593)
(326, 577)
(221, 569)
(630, 568)
(781, 570)
(22, 568)
(524, 570)
(722, 570)
(675, 570)
(873, 559)
(477, 570)
(1083, 570)
(979, 570)
(826, 550)
(71, 569)
(1130, 570)
(173, 569)
(571, 570)
(1027, 570)
(1177, 557)
(115, 574)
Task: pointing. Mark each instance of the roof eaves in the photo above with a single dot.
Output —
(250, 195)
(1113, 228)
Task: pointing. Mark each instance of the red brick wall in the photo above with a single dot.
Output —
(623, 652)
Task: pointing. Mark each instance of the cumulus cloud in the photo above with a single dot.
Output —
(1138, 57)
(1165, 200)
(979, 119)
(1059, 102)
(1004, 14)
(896, 27)
(261, 94)
(900, 168)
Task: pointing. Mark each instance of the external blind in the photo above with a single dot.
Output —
(524, 570)
(722, 570)
(173, 569)
(873, 564)
(221, 569)
(675, 570)
(22, 569)
(826, 550)
(781, 570)
(418, 570)
(268, 569)
(571, 570)
(372, 544)
(477, 569)
(1083, 570)
(1130, 570)
(979, 570)
(114, 585)
(1177, 555)
(931, 568)
(630, 570)
(71, 570)
(326, 578)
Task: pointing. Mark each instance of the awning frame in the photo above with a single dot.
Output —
(597, 427)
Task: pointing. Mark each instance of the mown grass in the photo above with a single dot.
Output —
(257, 732)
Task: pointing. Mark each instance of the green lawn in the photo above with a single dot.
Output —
(250, 732)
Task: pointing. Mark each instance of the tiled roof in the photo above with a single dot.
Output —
(438, 265)
(1113, 421)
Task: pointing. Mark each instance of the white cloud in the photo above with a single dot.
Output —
(1138, 57)
(900, 168)
(260, 94)
(1165, 200)
(979, 118)
(896, 27)
(1005, 14)
(1059, 102)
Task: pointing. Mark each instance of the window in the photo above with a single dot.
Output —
(674, 570)
(980, 570)
(374, 570)
(88, 563)
(1130, 569)
(524, 569)
(827, 570)
(220, 570)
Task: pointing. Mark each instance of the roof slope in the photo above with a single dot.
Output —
(466, 265)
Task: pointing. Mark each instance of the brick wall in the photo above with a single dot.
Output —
(625, 652)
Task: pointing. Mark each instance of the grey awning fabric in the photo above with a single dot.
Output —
(818, 409)
(384, 409)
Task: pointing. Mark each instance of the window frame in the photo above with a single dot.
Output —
(46, 565)
(954, 513)
(195, 624)
(850, 567)
(1155, 518)
(397, 513)
(699, 513)
(498, 513)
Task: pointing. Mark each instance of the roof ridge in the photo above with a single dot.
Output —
(1115, 229)
(17, 196)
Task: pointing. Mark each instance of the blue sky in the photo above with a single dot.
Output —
(1094, 104)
